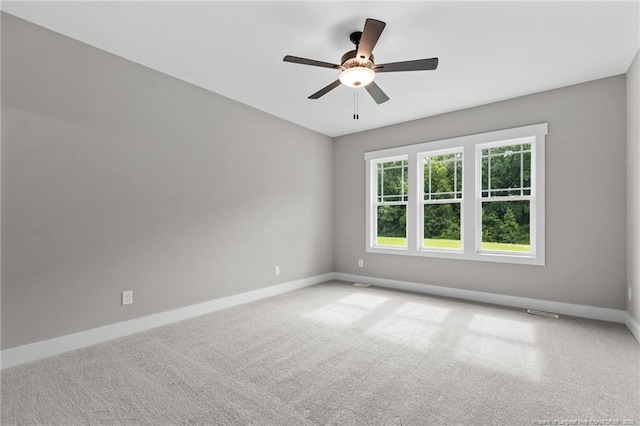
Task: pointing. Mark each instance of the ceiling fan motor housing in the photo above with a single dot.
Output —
(349, 60)
(357, 71)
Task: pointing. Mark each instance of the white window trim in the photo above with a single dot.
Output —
(471, 195)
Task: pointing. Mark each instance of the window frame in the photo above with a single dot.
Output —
(376, 203)
(422, 203)
(471, 203)
(531, 198)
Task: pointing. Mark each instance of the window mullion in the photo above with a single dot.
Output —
(471, 184)
(413, 203)
(371, 201)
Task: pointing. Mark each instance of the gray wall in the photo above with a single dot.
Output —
(585, 198)
(117, 177)
(633, 186)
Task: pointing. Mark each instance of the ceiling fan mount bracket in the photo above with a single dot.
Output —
(355, 37)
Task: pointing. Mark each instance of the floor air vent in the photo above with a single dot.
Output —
(542, 313)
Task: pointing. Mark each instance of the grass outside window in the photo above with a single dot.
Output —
(452, 244)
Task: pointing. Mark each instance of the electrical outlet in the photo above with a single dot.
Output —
(127, 297)
(360, 263)
(629, 292)
(276, 270)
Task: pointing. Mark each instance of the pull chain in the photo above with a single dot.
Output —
(356, 116)
(354, 106)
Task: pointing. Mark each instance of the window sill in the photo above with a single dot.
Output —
(515, 258)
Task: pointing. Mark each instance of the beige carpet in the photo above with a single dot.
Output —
(339, 355)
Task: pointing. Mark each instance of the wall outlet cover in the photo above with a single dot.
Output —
(127, 297)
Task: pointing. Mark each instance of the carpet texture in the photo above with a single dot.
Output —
(333, 354)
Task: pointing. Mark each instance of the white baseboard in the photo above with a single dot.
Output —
(633, 327)
(45, 348)
(583, 311)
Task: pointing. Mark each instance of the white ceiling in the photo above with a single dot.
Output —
(488, 51)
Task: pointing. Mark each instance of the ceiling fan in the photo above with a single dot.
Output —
(358, 67)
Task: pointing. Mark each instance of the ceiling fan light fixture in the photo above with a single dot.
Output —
(357, 76)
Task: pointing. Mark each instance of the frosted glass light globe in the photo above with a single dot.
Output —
(357, 76)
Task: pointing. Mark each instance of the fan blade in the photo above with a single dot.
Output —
(325, 90)
(370, 35)
(417, 65)
(312, 62)
(376, 93)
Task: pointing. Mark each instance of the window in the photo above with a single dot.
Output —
(391, 203)
(441, 200)
(477, 197)
(505, 199)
